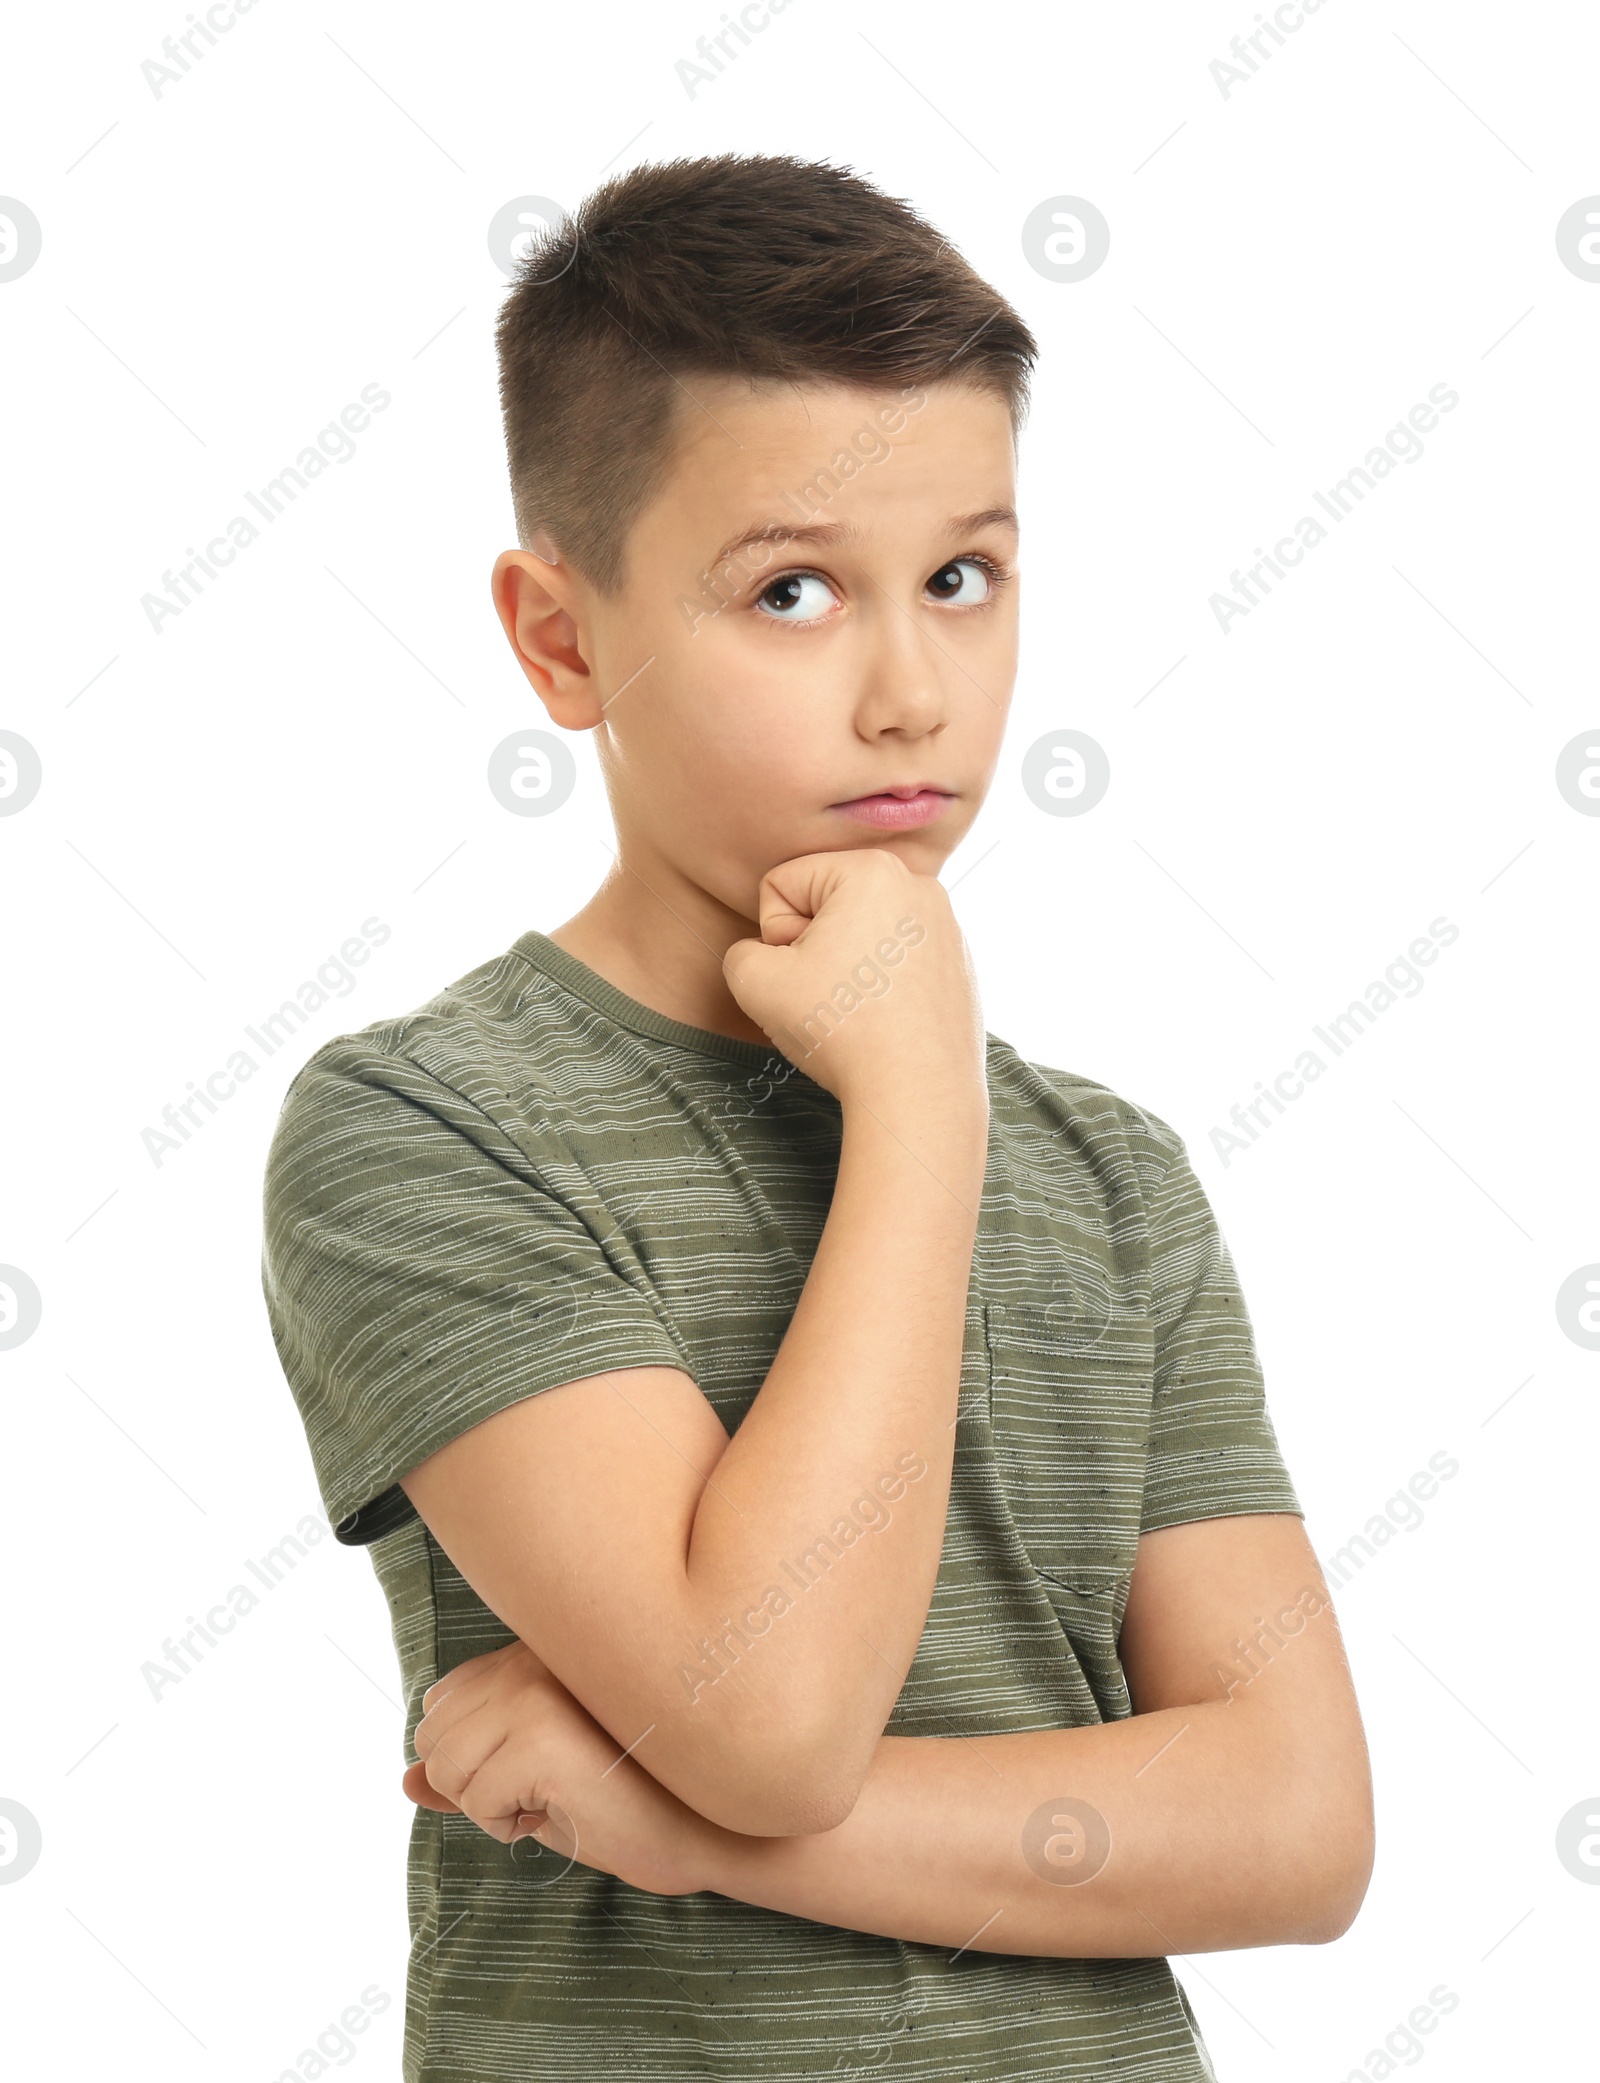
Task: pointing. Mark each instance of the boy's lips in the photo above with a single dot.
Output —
(897, 809)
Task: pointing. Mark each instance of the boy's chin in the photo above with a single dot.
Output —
(922, 852)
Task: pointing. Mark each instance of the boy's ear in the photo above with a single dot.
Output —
(536, 598)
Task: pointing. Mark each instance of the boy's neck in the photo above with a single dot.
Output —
(660, 938)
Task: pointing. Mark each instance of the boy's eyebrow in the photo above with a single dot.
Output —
(828, 534)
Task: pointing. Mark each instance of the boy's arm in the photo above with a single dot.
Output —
(1231, 1809)
(616, 1530)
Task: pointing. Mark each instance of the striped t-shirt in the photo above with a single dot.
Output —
(533, 1178)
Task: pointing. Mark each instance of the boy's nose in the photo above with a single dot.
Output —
(913, 708)
(902, 676)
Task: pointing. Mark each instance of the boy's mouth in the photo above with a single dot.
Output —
(898, 809)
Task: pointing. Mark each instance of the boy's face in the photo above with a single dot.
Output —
(846, 687)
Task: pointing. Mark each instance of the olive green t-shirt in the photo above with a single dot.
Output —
(532, 1178)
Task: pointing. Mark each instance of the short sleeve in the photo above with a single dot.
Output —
(420, 1274)
(1213, 1451)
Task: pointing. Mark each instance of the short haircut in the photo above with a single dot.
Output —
(771, 268)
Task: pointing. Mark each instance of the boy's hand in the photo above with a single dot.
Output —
(862, 978)
(503, 1742)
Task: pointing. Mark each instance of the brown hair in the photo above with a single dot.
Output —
(764, 267)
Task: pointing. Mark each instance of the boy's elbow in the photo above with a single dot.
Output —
(1338, 1880)
(830, 1773)
(764, 1791)
(809, 1812)
(790, 1808)
(1343, 1892)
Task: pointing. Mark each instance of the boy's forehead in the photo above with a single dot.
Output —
(751, 452)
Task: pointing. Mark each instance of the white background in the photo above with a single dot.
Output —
(1292, 267)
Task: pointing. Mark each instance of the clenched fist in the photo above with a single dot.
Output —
(861, 977)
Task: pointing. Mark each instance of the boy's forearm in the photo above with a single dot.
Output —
(816, 1543)
(1217, 1833)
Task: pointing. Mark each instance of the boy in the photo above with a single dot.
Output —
(817, 1461)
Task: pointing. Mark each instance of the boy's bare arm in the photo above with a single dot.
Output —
(617, 1531)
(1237, 1817)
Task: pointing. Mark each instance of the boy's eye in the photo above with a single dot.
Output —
(800, 597)
(963, 583)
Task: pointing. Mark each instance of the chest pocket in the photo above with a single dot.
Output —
(1070, 1414)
